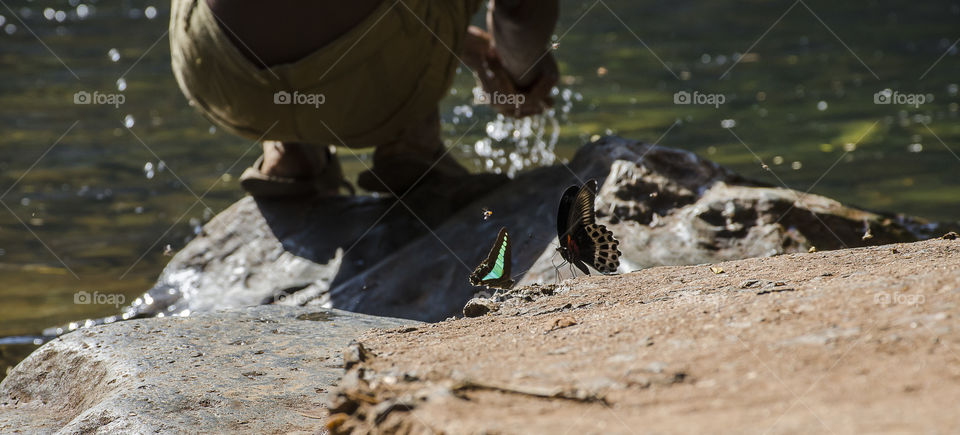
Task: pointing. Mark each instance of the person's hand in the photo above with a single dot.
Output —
(502, 91)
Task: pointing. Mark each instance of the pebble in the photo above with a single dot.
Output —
(477, 307)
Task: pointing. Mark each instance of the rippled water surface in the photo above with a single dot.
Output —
(94, 194)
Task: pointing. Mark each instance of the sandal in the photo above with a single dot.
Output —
(325, 179)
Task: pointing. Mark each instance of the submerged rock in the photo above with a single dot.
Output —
(371, 255)
(263, 369)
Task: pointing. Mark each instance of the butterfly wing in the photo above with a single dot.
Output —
(604, 254)
(563, 212)
(494, 271)
(586, 241)
(576, 207)
(582, 214)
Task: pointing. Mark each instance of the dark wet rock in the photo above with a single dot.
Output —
(263, 369)
(666, 206)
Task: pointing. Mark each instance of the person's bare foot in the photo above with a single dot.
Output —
(295, 169)
(288, 160)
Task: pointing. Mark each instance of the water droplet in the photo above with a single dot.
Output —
(48, 13)
(796, 166)
(915, 148)
(148, 170)
(778, 160)
(138, 210)
(60, 16)
(3, 19)
(83, 11)
(128, 121)
(728, 123)
(113, 54)
(150, 12)
(850, 147)
(821, 106)
(25, 201)
(121, 84)
(10, 28)
(705, 58)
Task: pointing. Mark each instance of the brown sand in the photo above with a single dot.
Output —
(849, 341)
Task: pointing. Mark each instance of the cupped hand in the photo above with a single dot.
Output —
(501, 91)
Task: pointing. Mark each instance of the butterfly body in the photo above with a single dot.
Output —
(582, 240)
(494, 271)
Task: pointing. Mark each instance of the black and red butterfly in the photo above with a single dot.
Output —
(582, 240)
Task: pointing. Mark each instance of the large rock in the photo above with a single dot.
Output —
(264, 369)
(667, 207)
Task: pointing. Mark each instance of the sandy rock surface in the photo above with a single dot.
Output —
(852, 341)
(265, 369)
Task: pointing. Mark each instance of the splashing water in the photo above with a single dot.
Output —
(512, 145)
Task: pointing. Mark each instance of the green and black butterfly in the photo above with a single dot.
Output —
(494, 271)
(582, 240)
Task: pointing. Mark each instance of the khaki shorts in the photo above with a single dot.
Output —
(360, 90)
